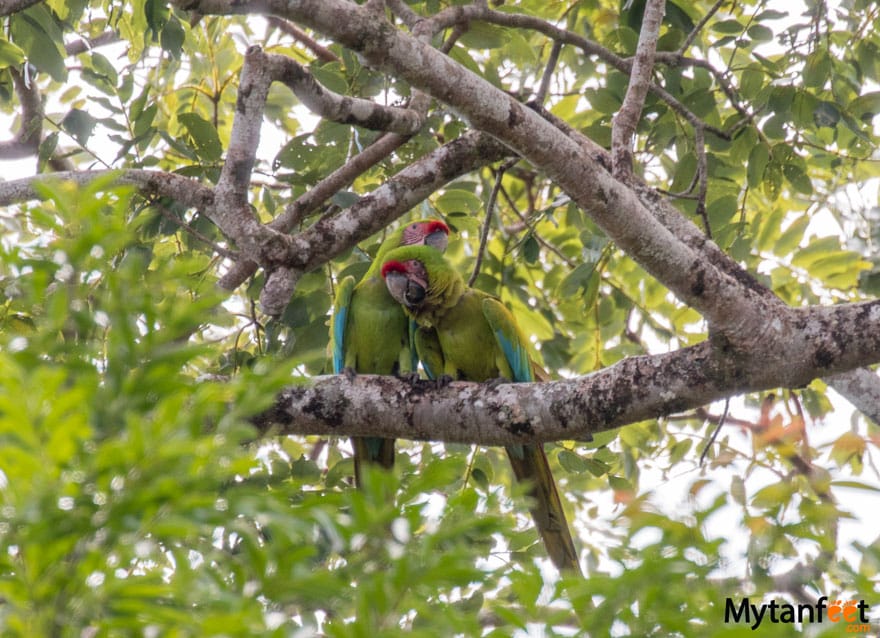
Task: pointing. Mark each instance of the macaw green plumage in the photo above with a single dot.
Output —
(470, 335)
(370, 334)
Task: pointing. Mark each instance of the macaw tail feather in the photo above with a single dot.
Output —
(530, 465)
(371, 449)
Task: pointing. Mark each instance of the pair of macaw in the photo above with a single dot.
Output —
(461, 332)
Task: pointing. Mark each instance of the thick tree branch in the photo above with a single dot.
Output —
(331, 236)
(481, 12)
(617, 209)
(27, 139)
(860, 387)
(627, 118)
(8, 7)
(339, 108)
(309, 201)
(181, 189)
(693, 267)
(231, 211)
(87, 44)
(634, 389)
(235, 177)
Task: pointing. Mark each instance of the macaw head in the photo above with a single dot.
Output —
(407, 281)
(430, 232)
(421, 280)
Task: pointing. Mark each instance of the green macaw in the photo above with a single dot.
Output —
(469, 335)
(370, 334)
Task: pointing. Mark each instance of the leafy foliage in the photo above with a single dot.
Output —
(133, 496)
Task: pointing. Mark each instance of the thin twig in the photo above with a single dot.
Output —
(531, 228)
(702, 177)
(220, 250)
(409, 17)
(457, 31)
(552, 59)
(689, 40)
(321, 52)
(27, 139)
(484, 233)
(715, 432)
(627, 118)
(480, 12)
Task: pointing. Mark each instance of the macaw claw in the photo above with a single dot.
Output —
(409, 377)
(492, 384)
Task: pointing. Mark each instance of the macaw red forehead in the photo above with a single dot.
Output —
(435, 225)
(411, 267)
(416, 232)
(393, 266)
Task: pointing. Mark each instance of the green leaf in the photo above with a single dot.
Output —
(866, 106)
(145, 118)
(344, 199)
(47, 148)
(172, 37)
(728, 26)
(572, 462)
(457, 200)
(37, 34)
(760, 33)
(758, 160)
(817, 70)
(575, 280)
(480, 35)
(738, 489)
(751, 82)
(531, 250)
(330, 78)
(603, 100)
(770, 14)
(203, 136)
(774, 495)
(798, 178)
(156, 13)
(826, 115)
(79, 124)
(10, 54)
(597, 467)
(815, 250)
(792, 236)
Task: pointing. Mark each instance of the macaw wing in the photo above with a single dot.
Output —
(413, 350)
(429, 352)
(338, 322)
(509, 338)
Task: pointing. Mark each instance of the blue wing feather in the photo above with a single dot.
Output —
(517, 357)
(509, 339)
(340, 317)
(338, 322)
(413, 355)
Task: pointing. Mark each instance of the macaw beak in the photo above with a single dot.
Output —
(438, 239)
(404, 290)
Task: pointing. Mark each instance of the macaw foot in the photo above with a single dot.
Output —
(409, 377)
(442, 381)
(349, 373)
(494, 383)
